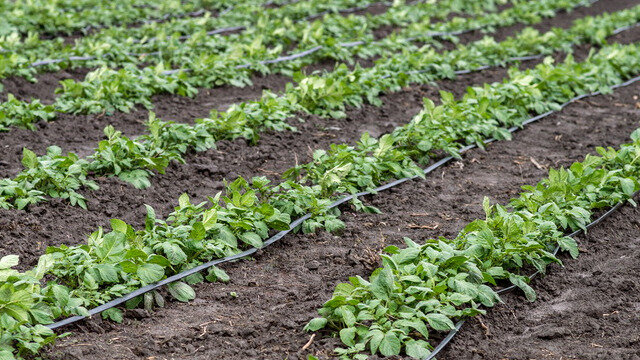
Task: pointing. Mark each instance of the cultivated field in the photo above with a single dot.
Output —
(319, 179)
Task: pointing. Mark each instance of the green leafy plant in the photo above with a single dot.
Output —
(425, 286)
(166, 141)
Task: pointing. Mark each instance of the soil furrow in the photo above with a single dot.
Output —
(203, 173)
(279, 291)
(585, 310)
(64, 131)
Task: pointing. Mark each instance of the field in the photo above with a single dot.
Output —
(336, 179)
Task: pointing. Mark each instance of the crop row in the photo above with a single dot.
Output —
(68, 16)
(268, 38)
(56, 175)
(426, 286)
(109, 90)
(114, 263)
(241, 17)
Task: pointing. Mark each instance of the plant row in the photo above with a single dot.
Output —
(114, 263)
(68, 16)
(427, 285)
(241, 16)
(135, 160)
(266, 39)
(106, 90)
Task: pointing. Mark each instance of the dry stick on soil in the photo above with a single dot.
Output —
(306, 346)
(537, 164)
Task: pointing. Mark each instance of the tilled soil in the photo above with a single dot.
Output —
(81, 133)
(56, 222)
(203, 173)
(279, 290)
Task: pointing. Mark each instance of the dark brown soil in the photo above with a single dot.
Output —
(279, 290)
(203, 173)
(64, 131)
(586, 310)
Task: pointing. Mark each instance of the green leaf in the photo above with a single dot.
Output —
(252, 239)
(440, 322)
(347, 316)
(29, 159)
(113, 314)
(569, 244)
(9, 261)
(159, 259)
(417, 349)
(138, 178)
(183, 200)
(316, 324)
(108, 273)
(150, 273)
(521, 283)
(348, 335)
(382, 285)
(334, 225)
(174, 254)
(487, 296)
(376, 339)
(150, 219)
(217, 274)
(181, 291)
(198, 232)
(6, 355)
(390, 345)
(89, 281)
(627, 185)
(119, 226)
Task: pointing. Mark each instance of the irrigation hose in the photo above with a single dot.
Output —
(299, 221)
(301, 53)
(215, 32)
(447, 339)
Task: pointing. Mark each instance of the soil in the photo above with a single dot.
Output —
(279, 290)
(586, 309)
(64, 131)
(203, 173)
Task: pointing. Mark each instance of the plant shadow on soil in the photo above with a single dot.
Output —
(279, 291)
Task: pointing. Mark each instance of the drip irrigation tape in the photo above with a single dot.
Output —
(314, 50)
(452, 333)
(624, 28)
(299, 221)
(447, 339)
(271, 61)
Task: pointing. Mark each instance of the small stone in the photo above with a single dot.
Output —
(313, 265)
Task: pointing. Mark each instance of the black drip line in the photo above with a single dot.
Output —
(299, 221)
